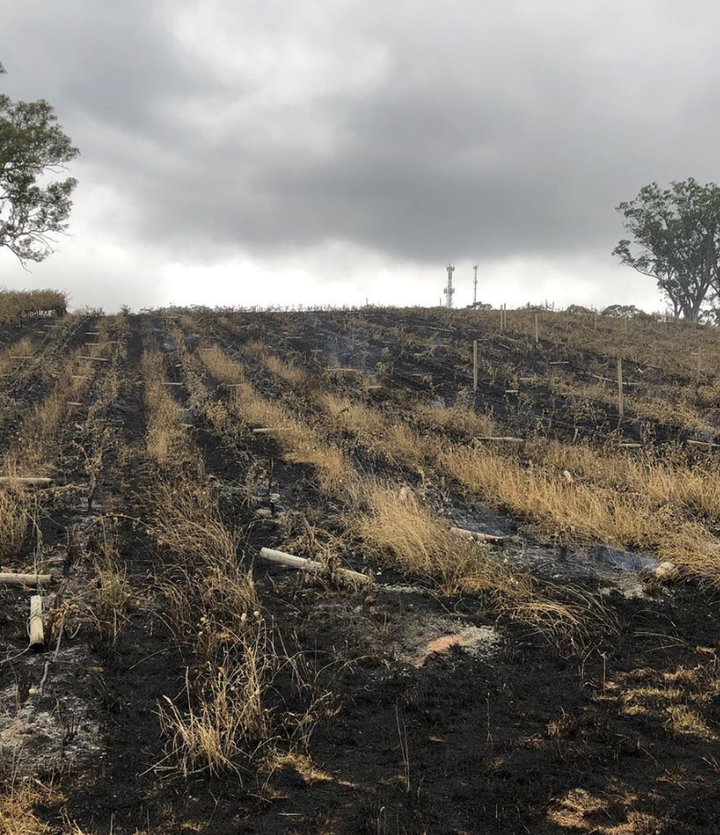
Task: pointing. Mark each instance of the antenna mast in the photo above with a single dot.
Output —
(449, 290)
(475, 269)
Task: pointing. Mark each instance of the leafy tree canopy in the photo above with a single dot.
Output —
(622, 311)
(33, 205)
(676, 235)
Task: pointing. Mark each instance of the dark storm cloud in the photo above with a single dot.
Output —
(421, 130)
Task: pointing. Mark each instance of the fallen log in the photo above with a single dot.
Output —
(302, 564)
(268, 429)
(95, 359)
(27, 481)
(37, 633)
(707, 444)
(32, 580)
(477, 536)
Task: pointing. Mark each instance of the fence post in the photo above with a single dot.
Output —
(475, 365)
(620, 388)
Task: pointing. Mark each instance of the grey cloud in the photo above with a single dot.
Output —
(423, 131)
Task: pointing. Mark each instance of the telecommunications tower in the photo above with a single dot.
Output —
(449, 290)
(475, 269)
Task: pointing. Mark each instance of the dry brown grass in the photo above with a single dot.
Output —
(646, 340)
(35, 447)
(9, 357)
(32, 452)
(385, 439)
(586, 512)
(458, 420)
(681, 699)
(404, 529)
(14, 519)
(580, 811)
(418, 543)
(287, 372)
(574, 512)
(188, 522)
(614, 498)
(346, 415)
(333, 471)
(666, 478)
(300, 443)
(229, 723)
(18, 801)
(634, 502)
(626, 500)
(230, 717)
(36, 443)
(214, 614)
(15, 304)
(383, 436)
(668, 405)
(110, 592)
(167, 440)
(221, 366)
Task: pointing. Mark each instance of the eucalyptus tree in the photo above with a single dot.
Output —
(676, 241)
(34, 195)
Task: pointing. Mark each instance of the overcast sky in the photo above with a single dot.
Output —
(329, 151)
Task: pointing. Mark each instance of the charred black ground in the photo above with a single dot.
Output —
(514, 730)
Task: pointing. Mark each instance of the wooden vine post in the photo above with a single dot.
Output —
(29, 580)
(312, 566)
(26, 481)
(37, 635)
(475, 365)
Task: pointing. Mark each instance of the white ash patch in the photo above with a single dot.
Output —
(51, 728)
(411, 634)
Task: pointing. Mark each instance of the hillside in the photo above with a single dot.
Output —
(509, 621)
